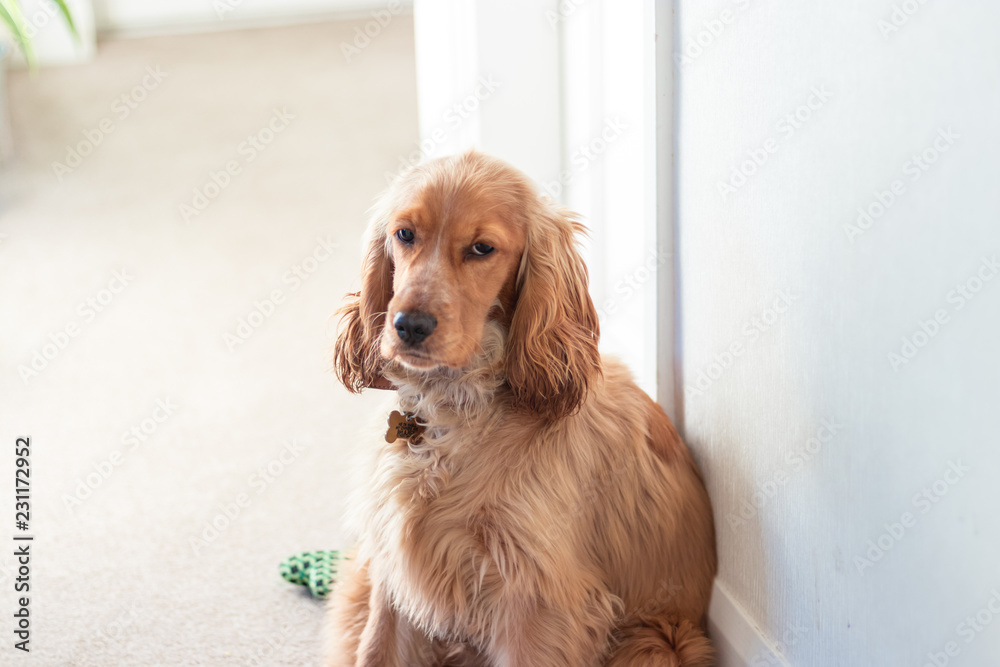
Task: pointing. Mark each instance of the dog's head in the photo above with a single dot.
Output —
(455, 243)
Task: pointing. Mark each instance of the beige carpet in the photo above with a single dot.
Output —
(153, 411)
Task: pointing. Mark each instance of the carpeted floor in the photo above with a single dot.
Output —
(167, 350)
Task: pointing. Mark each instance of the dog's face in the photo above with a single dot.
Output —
(455, 253)
(456, 243)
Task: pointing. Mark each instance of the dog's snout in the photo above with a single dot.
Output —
(414, 326)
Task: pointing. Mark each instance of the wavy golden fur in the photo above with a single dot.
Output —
(550, 515)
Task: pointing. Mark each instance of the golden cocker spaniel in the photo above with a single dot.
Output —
(542, 510)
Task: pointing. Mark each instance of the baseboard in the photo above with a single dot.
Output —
(739, 642)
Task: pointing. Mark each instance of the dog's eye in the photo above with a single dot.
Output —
(405, 235)
(481, 249)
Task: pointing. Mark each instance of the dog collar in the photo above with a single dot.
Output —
(382, 383)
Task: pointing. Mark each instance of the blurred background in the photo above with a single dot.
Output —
(794, 239)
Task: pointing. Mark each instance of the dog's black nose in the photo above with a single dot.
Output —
(414, 327)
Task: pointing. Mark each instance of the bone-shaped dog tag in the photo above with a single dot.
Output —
(403, 426)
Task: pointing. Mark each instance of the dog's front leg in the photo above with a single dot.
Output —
(378, 646)
(390, 639)
(348, 614)
(364, 629)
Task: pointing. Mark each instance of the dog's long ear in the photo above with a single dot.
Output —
(552, 356)
(356, 357)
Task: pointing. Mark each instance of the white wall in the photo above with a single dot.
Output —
(814, 496)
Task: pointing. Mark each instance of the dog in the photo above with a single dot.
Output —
(546, 513)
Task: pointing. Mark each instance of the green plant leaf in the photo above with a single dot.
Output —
(69, 18)
(10, 14)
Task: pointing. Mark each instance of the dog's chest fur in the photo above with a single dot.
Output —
(447, 550)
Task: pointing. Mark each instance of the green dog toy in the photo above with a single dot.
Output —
(316, 570)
